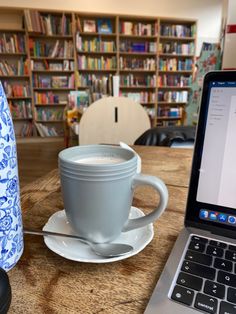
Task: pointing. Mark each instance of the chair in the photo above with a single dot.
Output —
(111, 120)
(173, 136)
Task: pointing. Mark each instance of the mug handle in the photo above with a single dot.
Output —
(160, 187)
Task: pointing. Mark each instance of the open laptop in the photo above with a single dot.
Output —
(200, 274)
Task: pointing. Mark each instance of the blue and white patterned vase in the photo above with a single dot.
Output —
(11, 228)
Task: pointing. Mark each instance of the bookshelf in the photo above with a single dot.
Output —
(96, 51)
(51, 54)
(176, 52)
(44, 55)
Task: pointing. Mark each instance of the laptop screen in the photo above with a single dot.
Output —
(212, 194)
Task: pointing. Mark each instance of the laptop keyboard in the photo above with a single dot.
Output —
(207, 277)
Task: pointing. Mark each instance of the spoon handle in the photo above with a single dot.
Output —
(51, 233)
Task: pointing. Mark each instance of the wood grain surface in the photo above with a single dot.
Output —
(43, 282)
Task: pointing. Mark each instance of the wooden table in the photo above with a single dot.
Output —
(43, 282)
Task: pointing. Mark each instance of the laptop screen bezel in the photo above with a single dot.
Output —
(193, 206)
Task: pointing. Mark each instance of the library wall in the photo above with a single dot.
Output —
(207, 12)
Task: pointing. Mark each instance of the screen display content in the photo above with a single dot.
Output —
(217, 173)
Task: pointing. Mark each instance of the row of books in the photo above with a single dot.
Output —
(20, 109)
(138, 29)
(96, 63)
(169, 111)
(174, 80)
(16, 90)
(169, 123)
(24, 129)
(48, 131)
(94, 45)
(79, 99)
(52, 114)
(173, 96)
(127, 63)
(101, 25)
(177, 48)
(48, 24)
(175, 64)
(20, 67)
(130, 46)
(141, 97)
(46, 98)
(12, 43)
(138, 80)
(178, 30)
(42, 81)
(101, 84)
(58, 49)
(64, 65)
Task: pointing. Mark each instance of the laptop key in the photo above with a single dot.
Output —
(230, 255)
(182, 295)
(206, 303)
(197, 246)
(215, 289)
(227, 308)
(223, 264)
(198, 270)
(215, 251)
(218, 244)
(231, 296)
(226, 278)
(198, 257)
(232, 247)
(199, 239)
(190, 281)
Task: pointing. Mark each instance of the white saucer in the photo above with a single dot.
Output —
(77, 251)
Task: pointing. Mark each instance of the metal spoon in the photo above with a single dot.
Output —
(101, 249)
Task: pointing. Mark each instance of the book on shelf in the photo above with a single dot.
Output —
(138, 80)
(176, 48)
(175, 64)
(174, 80)
(131, 63)
(173, 96)
(175, 30)
(89, 26)
(24, 129)
(79, 99)
(48, 24)
(172, 112)
(141, 97)
(14, 68)
(16, 90)
(104, 26)
(46, 98)
(94, 44)
(139, 47)
(42, 81)
(56, 49)
(49, 114)
(138, 28)
(42, 65)
(96, 63)
(12, 43)
(78, 24)
(47, 131)
(20, 109)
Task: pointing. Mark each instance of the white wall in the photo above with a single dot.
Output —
(207, 12)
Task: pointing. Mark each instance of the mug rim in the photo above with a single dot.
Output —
(90, 148)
